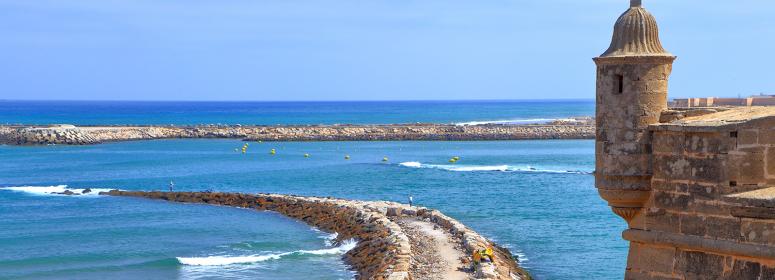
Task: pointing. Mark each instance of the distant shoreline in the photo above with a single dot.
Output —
(579, 128)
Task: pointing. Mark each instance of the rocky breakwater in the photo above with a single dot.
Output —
(54, 134)
(384, 250)
(21, 135)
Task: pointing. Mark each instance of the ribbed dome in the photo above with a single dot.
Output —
(636, 34)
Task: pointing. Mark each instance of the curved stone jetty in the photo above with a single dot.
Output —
(85, 135)
(387, 234)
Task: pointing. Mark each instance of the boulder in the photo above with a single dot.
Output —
(67, 192)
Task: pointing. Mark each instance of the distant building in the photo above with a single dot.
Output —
(759, 100)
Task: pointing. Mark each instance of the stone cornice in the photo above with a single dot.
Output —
(637, 59)
(696, 243)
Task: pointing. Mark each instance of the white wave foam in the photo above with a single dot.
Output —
(514, 121)
(411, 164)
(229, 260)
(330, 238)
(53, 190)
(487, 168)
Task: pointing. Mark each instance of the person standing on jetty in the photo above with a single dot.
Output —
(411, 201)
(172, 185)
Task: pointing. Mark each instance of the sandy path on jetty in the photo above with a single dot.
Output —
(435, 254)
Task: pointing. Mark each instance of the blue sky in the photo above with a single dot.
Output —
(363, 49)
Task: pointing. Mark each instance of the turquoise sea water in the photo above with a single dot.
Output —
(271, 113)
(535, 197)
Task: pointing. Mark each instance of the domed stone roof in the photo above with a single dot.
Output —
(636, 34)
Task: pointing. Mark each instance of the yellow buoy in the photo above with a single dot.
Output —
(385, 159)
(456, 158)
(273, 151)
(452, 160)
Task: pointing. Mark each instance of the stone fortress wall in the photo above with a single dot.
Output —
(696, 186)
(383, 250)
(84, 135)
(762, 100)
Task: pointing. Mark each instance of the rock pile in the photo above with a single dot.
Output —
(383, 250)
(64, 134)
(92, 135)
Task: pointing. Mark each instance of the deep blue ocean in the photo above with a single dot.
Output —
(271, 113)
(535, 197)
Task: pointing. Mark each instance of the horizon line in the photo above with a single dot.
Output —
(288, 101)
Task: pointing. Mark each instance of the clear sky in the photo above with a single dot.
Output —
(364, 49)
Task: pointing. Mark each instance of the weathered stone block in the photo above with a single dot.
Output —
(743, 270)
(767, 136)
(660, 220)
(671, 201)
(693, 225)
(710, 207)
(671, 167)
(700, 191)
(723, 228)
(767, 272)
(747, 168)
(759, 231)
(699, 265)
(747, 137)
(650, 259)
(668, 143)
(708, 143)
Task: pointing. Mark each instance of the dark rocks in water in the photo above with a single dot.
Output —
(87, 190)
(68, 192)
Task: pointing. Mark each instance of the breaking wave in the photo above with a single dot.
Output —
(488, 168)
(53, 190)
(229, 260)
(513, 122)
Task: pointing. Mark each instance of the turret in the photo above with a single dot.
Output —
(632, 78)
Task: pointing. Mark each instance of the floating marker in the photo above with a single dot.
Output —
(452, 160)
(347, 157)
(385, 159)
(273, 151)
(306, 155)
(456, 158)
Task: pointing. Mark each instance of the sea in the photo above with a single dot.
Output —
(535, 197)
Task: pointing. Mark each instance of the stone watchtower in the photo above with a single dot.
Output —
(632, 80)
(696, 186)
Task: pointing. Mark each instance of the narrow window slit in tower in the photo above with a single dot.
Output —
(619, 88)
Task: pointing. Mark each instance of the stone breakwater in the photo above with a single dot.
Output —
(85, 135)
(384, 250)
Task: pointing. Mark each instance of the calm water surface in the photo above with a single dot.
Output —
(271, 113)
